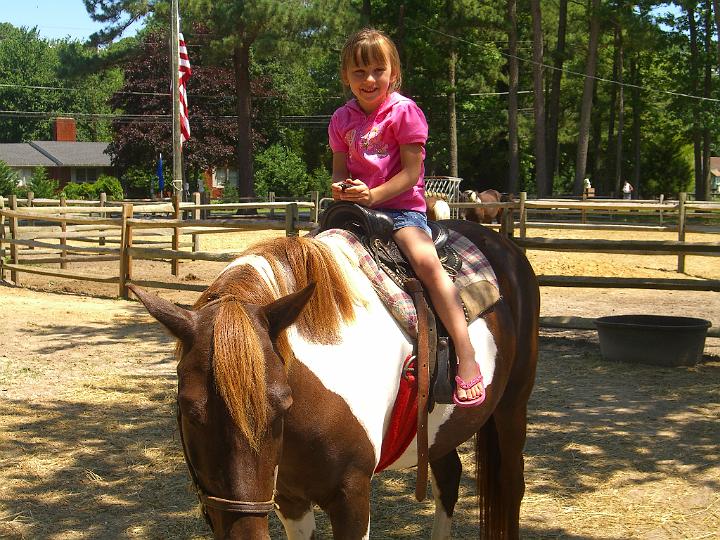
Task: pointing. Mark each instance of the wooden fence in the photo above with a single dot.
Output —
(135, 229)
(672, 216)
(129, 231)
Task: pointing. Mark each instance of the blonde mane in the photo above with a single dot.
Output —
(238, 359)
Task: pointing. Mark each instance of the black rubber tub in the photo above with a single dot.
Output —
(652, 339)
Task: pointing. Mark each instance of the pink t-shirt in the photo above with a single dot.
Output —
(372, 144)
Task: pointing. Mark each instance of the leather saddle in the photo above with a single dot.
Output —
(374, 230)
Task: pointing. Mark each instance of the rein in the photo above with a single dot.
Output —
(218, 503)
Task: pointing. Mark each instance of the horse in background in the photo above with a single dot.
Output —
(437, 206)
(480, 214)
(289, 366)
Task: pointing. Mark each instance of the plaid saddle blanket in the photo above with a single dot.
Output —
(475, 268)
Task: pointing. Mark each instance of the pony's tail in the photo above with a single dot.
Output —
(490, 500)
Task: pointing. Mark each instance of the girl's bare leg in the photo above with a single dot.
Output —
(420, 251)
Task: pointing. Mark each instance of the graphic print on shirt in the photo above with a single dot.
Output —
(371, 144)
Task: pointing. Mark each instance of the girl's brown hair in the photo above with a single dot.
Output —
(370, 45)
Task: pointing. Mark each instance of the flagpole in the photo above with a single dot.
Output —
(175, 56)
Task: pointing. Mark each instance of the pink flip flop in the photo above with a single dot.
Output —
(467, 386)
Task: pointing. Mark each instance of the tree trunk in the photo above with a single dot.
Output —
(609, 166)
(452, 116)
(694, 78)
(707, 89)
(366, 14)
(554, 106)
(636, 79)
(595, 139)
(400, 36)
(241, 64)
(586, 109)
(716, 11)
(514, 150)
(541, 176)
(621, 118)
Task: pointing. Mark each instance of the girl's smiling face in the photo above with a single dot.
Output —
(369, 82)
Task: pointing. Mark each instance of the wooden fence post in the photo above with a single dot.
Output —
(125, 245)
(30, 199)
(291, 219)
(315, 198)
(523, 216)
(63, 240)
(14, 259)
(103, 203)
(682, 197)
(583, 212)
(271, 198)
(2, 237)
(196, 215)
(508, 222)
(175, 263)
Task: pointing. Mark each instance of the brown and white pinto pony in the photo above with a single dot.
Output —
(480, 214)
(289, 365)
(437, 207)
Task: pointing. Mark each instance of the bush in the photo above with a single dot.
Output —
(91, 191)
(320, 180)
(79, 191)
(110, 186)
(230, 194)
(281, 170)
(42, 186)
(9, 180)
(140, 181)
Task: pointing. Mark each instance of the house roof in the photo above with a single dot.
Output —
(55, 154)
(24, 155)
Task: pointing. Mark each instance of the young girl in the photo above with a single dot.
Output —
(378, 143)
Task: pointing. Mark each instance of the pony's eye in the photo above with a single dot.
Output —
(192, 408)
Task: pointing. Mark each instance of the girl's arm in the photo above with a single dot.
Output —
(411, 160)
(339, 174)
(339, 167)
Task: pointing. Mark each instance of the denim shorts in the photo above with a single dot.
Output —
(407, 218)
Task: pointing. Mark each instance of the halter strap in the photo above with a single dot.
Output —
(218, 503)
(242, 507)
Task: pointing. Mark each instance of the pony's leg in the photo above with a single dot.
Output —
(445, 479)
(511, 425)
(349, 508)
(297, 517)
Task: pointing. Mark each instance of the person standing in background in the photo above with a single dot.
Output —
(627, 190)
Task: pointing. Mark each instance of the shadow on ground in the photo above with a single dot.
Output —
(108, 470)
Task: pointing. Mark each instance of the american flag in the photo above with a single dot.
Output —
(184, 73)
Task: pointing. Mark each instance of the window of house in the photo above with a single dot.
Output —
(223, 175)
(86, 174)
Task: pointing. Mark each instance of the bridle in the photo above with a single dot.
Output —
(218, 503)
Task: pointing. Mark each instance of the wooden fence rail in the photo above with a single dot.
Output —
(137, 236)
(128, 232)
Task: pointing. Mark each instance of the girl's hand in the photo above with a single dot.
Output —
(350, 190)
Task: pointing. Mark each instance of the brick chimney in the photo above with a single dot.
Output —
(64, 130)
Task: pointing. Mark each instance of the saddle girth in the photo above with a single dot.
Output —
(426, 342)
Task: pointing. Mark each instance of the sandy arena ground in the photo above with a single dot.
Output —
(89, 446)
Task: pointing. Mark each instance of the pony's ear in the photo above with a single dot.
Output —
(181, 322)
(283, 312)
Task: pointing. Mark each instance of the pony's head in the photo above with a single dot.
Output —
(234, 356)
(469, 195)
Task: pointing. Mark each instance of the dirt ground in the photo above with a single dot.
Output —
(89, 447)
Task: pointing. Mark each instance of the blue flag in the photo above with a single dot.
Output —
(161, 180)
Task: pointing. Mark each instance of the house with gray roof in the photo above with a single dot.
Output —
(65, 159)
